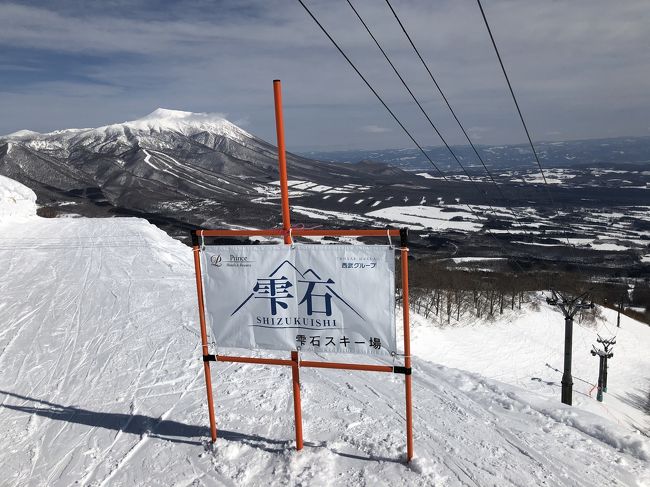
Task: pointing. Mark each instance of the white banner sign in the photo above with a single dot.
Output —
(322, 298)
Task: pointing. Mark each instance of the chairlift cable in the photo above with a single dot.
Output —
(523, 123)
(367, 83)
(417, 102)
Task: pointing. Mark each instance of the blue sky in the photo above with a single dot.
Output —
(579, 67)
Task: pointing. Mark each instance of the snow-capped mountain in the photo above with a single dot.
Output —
(183, 170)
(167, 157)
(154, 131)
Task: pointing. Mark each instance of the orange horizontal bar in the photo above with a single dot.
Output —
(255, 360)
(305, 363)
(337, 365)
(393, 232)
(240, 233)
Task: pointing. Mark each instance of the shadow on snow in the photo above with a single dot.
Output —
(173, 431)
(138, 424)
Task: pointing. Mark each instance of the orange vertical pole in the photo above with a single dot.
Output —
(286, 226)
(204, 343)
(404, 256)
(282, 160)
(297, 408)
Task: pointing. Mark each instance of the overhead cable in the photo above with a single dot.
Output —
(367, 83)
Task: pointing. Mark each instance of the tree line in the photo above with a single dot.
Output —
(450, 294)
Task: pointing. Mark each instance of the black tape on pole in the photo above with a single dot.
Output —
(404, 237)
(402, 370)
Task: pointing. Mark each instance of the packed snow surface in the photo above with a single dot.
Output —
(102, 384)
(529, 353)
(16, 200)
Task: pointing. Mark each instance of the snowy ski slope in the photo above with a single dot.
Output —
(102, 384)
(526, 349)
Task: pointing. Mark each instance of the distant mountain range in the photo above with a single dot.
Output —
(183, 170)
(576, 153)
(197, 167)
(167, 155)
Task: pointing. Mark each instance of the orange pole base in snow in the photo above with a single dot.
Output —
(297, 407)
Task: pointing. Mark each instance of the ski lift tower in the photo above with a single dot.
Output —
(604, 354)
(569, 307)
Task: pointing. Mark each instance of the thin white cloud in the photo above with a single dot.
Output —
(375, 129)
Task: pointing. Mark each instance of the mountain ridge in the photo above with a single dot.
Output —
(199, 162)
(159, 118)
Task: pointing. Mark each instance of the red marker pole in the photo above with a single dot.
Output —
(286, 227)
(404, 257)
(204, 342)
(282, 160)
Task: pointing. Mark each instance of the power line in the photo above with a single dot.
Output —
(514, 98)
(417, 102)
(444, 97)
(523, 123)
(374, 92)
(367, 83)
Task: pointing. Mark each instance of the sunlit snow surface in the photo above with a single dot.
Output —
(102, 384)
(530, 347)
(16, 200)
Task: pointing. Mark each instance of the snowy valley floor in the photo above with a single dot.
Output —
(102, 384)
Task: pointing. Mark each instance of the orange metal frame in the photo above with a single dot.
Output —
(295, 363)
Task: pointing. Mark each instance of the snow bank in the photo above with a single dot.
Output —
(632, 443)
(554, 414)
(16, 200)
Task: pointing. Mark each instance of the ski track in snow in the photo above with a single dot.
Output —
(102, 384)
(194, 173)
(180, 171)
